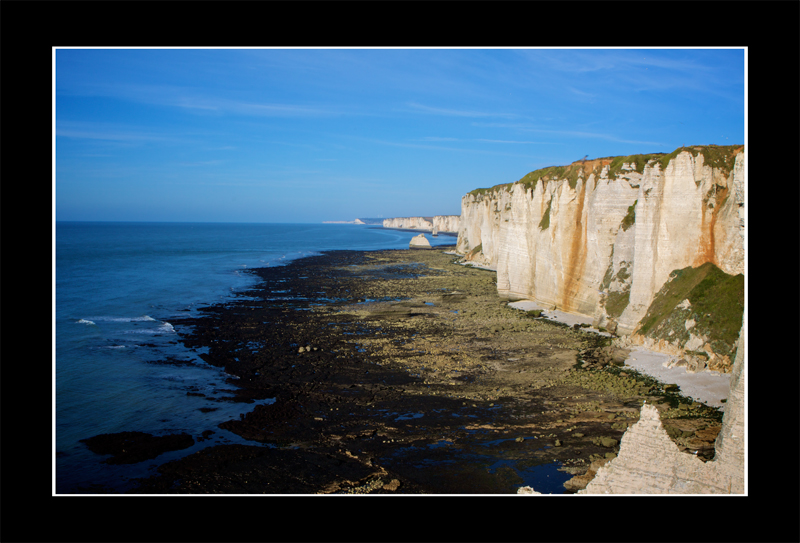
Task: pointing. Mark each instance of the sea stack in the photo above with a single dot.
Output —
(419, 242)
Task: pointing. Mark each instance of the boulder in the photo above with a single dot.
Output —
(419, 241)
(579, 482)
(527, 490)
(608, 442)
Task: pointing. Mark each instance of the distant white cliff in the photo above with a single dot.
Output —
(357, 221)
(441, 223)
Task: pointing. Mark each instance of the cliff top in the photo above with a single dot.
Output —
(717, 156)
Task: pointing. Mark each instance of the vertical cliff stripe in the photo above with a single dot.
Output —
(577, 254)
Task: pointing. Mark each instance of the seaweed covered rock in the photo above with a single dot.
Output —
(133, 447)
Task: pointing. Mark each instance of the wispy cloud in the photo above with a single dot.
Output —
(189, 99)
(623, 71)
(456, 112)
(256, 109)
(593, 135)
(202, 163)
(111, 133)
(581, 94)
(472, 150)
(517, 142)
(567, 133)
(437, 138)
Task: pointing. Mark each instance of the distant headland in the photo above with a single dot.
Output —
(357, 221)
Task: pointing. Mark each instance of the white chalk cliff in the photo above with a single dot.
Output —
(600, 238)
(442, 223)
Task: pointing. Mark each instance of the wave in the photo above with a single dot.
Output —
(143, 318)
(164, 328)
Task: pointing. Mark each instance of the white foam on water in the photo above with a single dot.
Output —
(167, 328)
(143, 318)
(164, 327)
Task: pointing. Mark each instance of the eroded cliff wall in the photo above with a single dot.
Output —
(601, 237)
(442, 223)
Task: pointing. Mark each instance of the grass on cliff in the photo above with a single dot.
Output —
(717, 305)
(638, 161)
(630, 218)
(616, 301)
(571, 173)
(719, 157)
(544, 224)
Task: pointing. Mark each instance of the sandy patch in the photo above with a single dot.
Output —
(557, 316)
(708, 387)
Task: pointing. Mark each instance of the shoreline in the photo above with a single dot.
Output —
(400, 371)
(420, 230)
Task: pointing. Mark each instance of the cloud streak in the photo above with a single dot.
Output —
(111, 133)
(456, 112)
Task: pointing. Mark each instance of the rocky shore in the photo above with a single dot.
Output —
(403, 372)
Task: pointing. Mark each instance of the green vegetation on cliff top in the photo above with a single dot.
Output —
(719, 157)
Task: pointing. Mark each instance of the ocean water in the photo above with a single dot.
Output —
(117, 364)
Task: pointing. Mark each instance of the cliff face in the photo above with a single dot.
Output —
(447, 223)
(650, 463)
(420, 223)
(442, 223)
(600, 238)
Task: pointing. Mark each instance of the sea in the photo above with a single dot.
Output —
(117, 363)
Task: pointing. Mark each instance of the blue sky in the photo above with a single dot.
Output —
(310, 135)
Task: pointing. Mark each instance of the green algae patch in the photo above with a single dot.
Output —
(628, 386)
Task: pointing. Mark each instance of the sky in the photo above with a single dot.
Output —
(312, 135)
